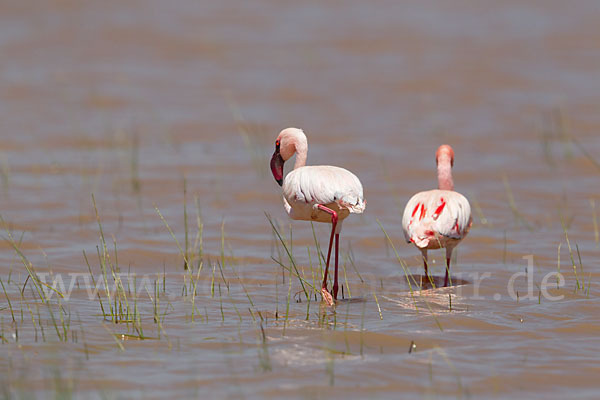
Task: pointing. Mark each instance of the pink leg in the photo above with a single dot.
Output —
(335, 279)
(448, 256)
(424, 253)
(334, 219)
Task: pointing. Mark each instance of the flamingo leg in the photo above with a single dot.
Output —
(448, 257)
(424, 253)
(447, 270)
(335, 280)
(334, 219)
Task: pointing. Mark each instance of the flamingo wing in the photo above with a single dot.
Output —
(414, 212)
(436, 212)
(454, 218)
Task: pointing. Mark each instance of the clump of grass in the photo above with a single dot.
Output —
(39, 285)
(194, 284)
(118, 304)
(193, 250)
(292, 261)
(154, 297)
(579, 283)
(193, 255)
(401, 262)
(181, 251)
(121, 304)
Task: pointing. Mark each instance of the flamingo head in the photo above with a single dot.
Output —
(277, 162)
(444, 153)
(287, 143)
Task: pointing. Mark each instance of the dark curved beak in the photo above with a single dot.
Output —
(277, 166)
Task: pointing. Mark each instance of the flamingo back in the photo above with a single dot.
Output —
(436, 218)
(334, 187)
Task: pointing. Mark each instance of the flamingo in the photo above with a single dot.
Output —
(321, 193)
(438, 218)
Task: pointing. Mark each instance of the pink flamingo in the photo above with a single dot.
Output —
(320, 193)
(438, 218)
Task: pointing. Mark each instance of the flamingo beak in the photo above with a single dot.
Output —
(277, 166)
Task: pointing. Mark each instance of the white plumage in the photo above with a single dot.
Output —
(436, 218)
(336, 188)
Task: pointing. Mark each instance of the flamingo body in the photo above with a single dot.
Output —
(336, 188)
(436, 219)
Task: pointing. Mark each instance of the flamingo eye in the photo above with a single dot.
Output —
(277, 143)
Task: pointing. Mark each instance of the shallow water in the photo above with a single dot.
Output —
(128, 100)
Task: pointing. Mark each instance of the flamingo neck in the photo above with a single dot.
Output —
(301, 147)
(444, 173)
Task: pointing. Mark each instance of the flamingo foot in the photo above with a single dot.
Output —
(327, 298)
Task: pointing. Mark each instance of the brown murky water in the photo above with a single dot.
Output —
(126, 100)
